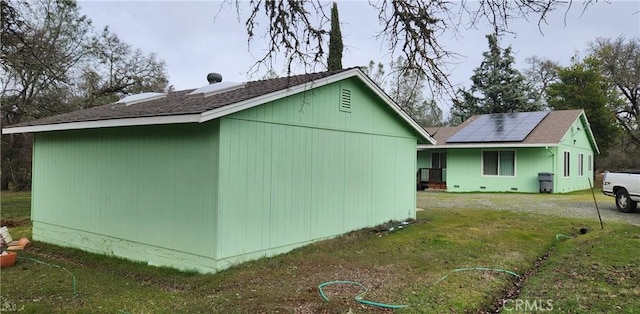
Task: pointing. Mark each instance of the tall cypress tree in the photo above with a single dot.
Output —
(334, 61)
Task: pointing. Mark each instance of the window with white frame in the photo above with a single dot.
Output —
(567, 164)
(589, 163)
(580, 165)
(499, 163)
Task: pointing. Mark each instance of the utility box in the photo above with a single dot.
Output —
(546, 182)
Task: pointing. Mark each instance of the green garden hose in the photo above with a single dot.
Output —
(75, 291)
(559, 236)
(477, 268)
(359, 296)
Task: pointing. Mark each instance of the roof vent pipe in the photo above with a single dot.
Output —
(214, 78)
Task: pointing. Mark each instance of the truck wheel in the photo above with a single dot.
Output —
(624, 203)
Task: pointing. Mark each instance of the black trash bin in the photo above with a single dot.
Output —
(546, 182)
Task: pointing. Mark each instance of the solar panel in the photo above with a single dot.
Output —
(499, 127)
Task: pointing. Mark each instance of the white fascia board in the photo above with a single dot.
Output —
(190, 118)
(485, 145)
(256, 101)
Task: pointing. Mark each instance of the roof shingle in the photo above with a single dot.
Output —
(549, 131)
(179, 103)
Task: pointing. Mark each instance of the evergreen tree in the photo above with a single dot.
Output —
(334, 60)
(500, 86)
(582, 86)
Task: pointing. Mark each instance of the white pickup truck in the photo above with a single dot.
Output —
(625, 187)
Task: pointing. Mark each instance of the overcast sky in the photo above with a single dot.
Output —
(194, 39)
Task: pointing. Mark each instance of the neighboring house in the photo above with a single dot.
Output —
(230, 172)
(508, 153)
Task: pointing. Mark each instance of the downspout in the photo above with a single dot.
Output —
(553, 166)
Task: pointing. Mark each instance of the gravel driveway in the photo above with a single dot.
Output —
(573, 205)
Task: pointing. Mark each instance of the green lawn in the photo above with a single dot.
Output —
(595, 272)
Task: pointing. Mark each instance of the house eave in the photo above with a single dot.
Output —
(188, 118)
(229, 109)
(487, 145)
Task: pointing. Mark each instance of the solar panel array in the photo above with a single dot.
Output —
(499, 127)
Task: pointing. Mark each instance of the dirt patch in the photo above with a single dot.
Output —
(15, 222)
(513, 291)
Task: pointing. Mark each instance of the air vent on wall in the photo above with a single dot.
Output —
(142, 97)
(345, 100)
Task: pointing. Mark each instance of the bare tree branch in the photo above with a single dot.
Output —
(296, 29)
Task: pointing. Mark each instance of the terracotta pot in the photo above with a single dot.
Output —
(8, 260)
(24, 242)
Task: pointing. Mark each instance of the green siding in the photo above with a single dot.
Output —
(424, 159)
(206, 196)
(464, 166)
(464, 170)
(153, 186)
(575, 141)
(292, 174)
(305, 184)
(319, 108)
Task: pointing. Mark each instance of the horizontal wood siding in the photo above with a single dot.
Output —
(148, 186)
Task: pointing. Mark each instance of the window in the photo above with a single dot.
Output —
(567, 164)
(589, 163)
(498, 163)
(438, 160)
(580, 165)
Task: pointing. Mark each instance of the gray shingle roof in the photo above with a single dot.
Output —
(178, 103)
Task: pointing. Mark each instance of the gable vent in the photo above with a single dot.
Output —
(345, 100)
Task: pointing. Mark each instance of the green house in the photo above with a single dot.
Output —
(204, 179)
(547, 151)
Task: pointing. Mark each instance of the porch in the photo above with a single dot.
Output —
(431, 178)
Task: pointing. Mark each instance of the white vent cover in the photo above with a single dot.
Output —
(216, 88)
(142, 97)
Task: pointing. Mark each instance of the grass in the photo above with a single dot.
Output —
(595, 272)
(598, 272)
(15, 212)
